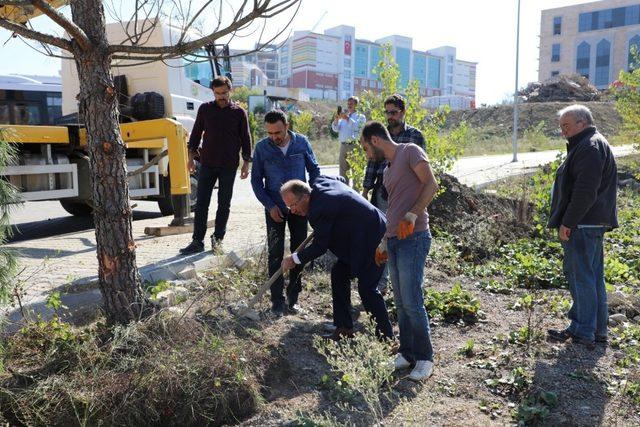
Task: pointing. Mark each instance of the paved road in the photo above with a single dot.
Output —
(34, 220)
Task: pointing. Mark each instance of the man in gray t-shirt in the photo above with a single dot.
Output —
(411, 187)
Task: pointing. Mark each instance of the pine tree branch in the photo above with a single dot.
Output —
(35, 35)
(74, 31)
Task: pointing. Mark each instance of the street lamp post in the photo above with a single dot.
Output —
(515, 93)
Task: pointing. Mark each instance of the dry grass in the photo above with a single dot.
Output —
(167, 370)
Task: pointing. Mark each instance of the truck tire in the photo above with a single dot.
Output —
(166, 205)
(76, 208)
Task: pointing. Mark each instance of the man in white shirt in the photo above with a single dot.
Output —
(348, 124)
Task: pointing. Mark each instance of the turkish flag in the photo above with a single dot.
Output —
(347, 48)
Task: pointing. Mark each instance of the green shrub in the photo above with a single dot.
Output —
(8, 196)
(452, 306)
(361, 368)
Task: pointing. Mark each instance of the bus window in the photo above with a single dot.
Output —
(27, 114)
(54, 106)
(198, 68)
(4, 114)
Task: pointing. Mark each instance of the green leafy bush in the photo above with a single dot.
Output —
(8, 196)
(453, 306)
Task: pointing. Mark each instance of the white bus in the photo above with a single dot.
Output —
(30, 100)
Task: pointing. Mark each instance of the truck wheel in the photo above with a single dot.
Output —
(76, 208)
(165, 204)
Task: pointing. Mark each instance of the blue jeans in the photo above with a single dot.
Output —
(584, 269)
(406, 268)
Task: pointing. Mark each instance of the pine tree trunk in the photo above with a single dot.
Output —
(117, 271)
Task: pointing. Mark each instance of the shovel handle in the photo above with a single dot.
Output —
(275, 276)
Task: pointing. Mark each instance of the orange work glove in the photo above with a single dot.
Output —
(381, 252)
(406, 225)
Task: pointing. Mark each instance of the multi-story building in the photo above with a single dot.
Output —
(256, 68)
(336, 65)
(596, 40)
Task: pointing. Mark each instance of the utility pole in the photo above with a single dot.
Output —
(515, 94)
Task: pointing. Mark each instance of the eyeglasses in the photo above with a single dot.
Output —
(391, 112)
(293, 205)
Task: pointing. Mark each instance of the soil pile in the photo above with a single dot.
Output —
(479, 222)
(561, 88)
(497, 120)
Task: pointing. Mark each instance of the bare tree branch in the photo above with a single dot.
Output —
(184, 48)
(74, 31)
(190, 23)
(35, 35)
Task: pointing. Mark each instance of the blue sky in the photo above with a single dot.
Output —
(482, 31)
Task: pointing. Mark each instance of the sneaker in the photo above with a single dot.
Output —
(423, 370)
(602, 340)
(193, 248)
(589, 344)
(400, 362)
(295, 309)
(560, 335)
(277, 308)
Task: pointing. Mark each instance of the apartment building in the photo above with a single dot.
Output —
(595, 39)
(336, 65)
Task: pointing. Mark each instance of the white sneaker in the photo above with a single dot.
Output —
(423, 370)
(399, 362)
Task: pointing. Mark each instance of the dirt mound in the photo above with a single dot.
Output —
(562, 88)
(498, 119)
(478, 222)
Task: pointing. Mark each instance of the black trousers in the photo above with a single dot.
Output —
(275, 243)
(207, 178)
(372, 299)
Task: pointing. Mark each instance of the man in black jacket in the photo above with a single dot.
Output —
(350, 227)
(583, 207)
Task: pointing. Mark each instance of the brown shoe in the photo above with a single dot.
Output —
(339, 334)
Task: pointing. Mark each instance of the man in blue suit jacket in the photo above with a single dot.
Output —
(350, 227)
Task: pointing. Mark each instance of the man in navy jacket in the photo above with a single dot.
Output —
(350, 227)
(583, 208)
(282, 156)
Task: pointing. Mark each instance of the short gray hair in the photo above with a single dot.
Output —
(296, 187)
(579, 112)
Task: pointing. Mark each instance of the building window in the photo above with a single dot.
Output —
(557, 25)
(634, 52)
(602, 63)
(609, 18)
(555, 52)
(582, 59)
(554, 73)
(433, 74)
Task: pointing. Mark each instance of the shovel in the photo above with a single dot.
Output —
(246, 309)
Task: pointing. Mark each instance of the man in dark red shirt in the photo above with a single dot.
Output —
(226, 133)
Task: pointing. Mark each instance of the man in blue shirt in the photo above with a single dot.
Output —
(347, 124)
(282, 156)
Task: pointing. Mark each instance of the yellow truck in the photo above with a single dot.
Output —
(158, 104)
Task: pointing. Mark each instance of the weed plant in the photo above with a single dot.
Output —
(360, 368)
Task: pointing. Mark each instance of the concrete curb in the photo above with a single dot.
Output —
(83, 299)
